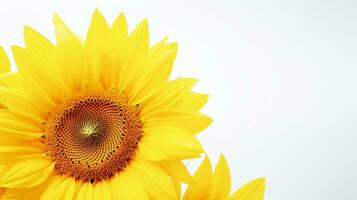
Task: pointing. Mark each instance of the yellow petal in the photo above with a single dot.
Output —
(14, 151)
(10, 79)
(12, 126)
(154, 179)
(253, 190)
(118, 45)
(14, 101)
(161, 143)
(24, 135)
(127, 186)
(97, 43)
(193, 101)
(27, 173)
(42, 85)
(119, 29)
(191, 121)
(136, 52)
(70, 53)
(4, 61)
(85, 192)
(140, 36)
(177, 186)
(177, 170)
(43, 63)
(19, 122)
(154, 73)
(202, 186)
(221, 181)
(102, 191)
(25, 193)
(61, 188)
(169, 97)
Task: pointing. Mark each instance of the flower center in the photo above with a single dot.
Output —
(93, 135)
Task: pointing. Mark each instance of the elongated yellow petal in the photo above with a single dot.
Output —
(70, 52)
(25, 193)
(12, 121)
(19, 150)
(10, 79)
(119, 29)
(177, 185)
(169, 97)
(163, 143)
(100, 62)
(118, 47)
(61, 188)
(177, 170)
(136, 52)
(10, 132)
(127, 186)
(102, 191)
(15, 102)
(28, 173)
(4, 61)
(221, 181)
(154, 179)
(202, 186)
(42, 85)
(14, 150)
(192, 121)
(155, 72)
(193, 101)
(19, 122)
(253, 190)
(85, 192)
(43, 65)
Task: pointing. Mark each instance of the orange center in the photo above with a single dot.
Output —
(93, 135)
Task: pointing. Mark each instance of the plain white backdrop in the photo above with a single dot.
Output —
(281, 76)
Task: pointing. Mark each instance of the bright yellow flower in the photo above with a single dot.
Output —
(97, 118)
(217, 185)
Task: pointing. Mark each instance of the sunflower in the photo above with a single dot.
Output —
(216, 186)
(97, 118)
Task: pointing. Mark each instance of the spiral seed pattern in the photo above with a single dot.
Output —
(93, 135)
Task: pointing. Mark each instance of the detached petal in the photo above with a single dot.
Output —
(253, 190)
(221, 181)
(202, 186)
(177, 170)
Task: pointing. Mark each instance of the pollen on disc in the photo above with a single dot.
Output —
(93, 135)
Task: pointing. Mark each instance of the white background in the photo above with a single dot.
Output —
(281, 77)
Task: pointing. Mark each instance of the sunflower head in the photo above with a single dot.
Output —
(92, 115)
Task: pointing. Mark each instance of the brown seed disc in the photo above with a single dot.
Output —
(93, 134)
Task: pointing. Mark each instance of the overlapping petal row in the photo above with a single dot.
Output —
(217, 185)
